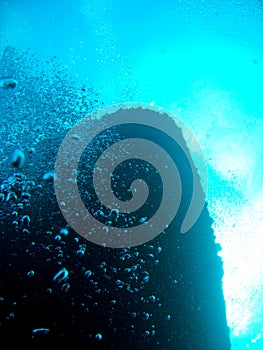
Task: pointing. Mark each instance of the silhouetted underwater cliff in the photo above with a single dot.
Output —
(57, 287)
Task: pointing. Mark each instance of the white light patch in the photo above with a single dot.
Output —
(231, 160)
(239, 229)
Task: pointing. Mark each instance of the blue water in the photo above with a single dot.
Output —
(203, 61)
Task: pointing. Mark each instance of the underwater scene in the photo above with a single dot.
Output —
(131, 177)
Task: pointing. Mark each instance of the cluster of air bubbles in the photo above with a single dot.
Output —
(35, 117)
(61, 278)
(81, 250)
(15, 192)
(39, 102)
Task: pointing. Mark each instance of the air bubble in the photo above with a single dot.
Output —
(146, 279)
(75, 137)
(39, 331)
(61, 276)
(30, 273)
(65, 287)
(8, 83)
(11, 195)
(31, 150)
(142, 220)
(152, 298)
(25, 195)
(48, 176)
(18, 159)
(63, 231)
(147, 315)
(88, 273)
(25, 220)
(80, 252)
(98, 337)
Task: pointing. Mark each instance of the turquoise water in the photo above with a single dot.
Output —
(203, 61)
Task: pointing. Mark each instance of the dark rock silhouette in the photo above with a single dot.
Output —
(165, 294)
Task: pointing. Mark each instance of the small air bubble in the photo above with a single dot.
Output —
(61, 276)
(63, 231)
(31, 273)
(98, 337)
(18, 159)
(48, 176)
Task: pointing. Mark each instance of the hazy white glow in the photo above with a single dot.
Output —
(242, 249)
